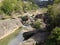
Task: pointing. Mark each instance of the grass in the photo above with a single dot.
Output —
(10, 6)
(7, 39)
(44, 10)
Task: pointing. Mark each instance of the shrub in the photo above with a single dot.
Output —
(54, 12)
(37, 24)
(54, 38)
(8, 6)
(56, 1)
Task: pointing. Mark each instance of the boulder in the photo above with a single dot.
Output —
(37, 39)
(27, 35)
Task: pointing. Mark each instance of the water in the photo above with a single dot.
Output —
(19, 38)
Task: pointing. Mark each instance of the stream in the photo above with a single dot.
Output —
(19, 38)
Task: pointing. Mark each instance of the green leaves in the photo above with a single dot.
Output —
(37, 24)
(54, 12)
(54, 38)
(56, 31)
(57, 1)
(8, 6)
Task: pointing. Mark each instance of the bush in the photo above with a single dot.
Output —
(54, 38)
(8, 6)
(56, 1)
(29, 6)
(37, 25)
(54, 12)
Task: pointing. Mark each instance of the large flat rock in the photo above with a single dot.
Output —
(8, 26)
(37, 39)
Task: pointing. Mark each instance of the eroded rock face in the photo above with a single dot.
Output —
(8, 25)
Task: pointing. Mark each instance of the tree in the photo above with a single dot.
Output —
(56, 1)
(54, 12)
(37, 24)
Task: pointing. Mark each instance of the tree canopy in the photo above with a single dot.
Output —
(54, 12)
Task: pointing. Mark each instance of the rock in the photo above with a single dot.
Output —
(38, 16)
(27, 35)
(41, 37)
(8, 26)
(1, 0)
(37, 39)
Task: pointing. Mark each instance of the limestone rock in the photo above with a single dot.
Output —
(9, 25)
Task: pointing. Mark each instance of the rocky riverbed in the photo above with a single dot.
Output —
(29, 34)
(16, 40)
(19, 38)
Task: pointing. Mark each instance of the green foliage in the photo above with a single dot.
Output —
(56, 1)
(37, 24)
(54, 38)
(8, 6)
(56, 33)
(30, 1)
(54, 12)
